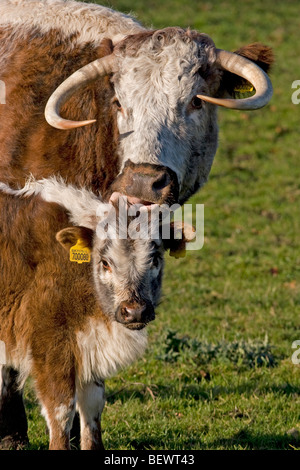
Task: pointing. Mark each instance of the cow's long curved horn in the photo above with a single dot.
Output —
(247, 69)
(81, 77)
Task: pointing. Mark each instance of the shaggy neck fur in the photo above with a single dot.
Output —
(105, 351)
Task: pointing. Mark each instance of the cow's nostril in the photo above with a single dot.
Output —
(127, 313)
(146, 182)
(135, 315)
(161, 182)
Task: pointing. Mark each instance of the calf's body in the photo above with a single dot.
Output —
(53, 325)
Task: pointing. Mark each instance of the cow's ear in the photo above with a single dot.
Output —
(233, 86)
(180, 235)
(105, 48)
(72, 236)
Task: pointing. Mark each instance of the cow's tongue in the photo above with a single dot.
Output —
(130, 199)
(136, 200)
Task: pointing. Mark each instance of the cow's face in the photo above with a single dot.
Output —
(162, 124)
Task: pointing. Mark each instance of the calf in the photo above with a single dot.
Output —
(71, 325)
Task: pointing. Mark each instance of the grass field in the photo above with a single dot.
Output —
(218, 372)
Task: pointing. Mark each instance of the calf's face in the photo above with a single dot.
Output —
(128, 277)
(127, 272)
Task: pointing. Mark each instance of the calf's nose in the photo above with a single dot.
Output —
(132, 314)
(129, 314)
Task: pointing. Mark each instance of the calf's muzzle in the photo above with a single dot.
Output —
(135, 315)
(147, 184)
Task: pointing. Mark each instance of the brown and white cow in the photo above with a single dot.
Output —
(153, 96)
(70, 326)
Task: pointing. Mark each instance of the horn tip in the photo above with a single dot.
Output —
(64, 124)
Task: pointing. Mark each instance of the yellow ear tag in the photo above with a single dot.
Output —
(80, 253)
(244, 88)
(178, 253)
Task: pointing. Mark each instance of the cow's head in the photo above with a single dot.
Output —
(167, 84)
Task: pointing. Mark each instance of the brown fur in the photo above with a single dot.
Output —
(262, 55)
(28, 143)
(45, 299)
(34, 263)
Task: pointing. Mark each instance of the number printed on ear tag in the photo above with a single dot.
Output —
(245, 88)
(80, 253)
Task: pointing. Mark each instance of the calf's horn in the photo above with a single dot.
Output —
(87, 74)
(247, 69)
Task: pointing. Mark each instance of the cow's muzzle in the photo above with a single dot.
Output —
(146, 184)
(135, 316)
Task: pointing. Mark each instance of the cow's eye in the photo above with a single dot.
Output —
(106, 265)
(118, 104)
(196, 103)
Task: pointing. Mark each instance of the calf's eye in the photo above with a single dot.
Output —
(105, 265)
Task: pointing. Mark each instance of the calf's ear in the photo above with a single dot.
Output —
(71, 236)
(180, 234)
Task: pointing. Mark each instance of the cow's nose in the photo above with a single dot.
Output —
(148, 183)
(156, 186)
(138, 314)
(161, 181)
(133, 314)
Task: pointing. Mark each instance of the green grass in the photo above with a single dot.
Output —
(245, 282)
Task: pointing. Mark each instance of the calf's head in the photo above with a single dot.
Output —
(166, 84)
(127, 271)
